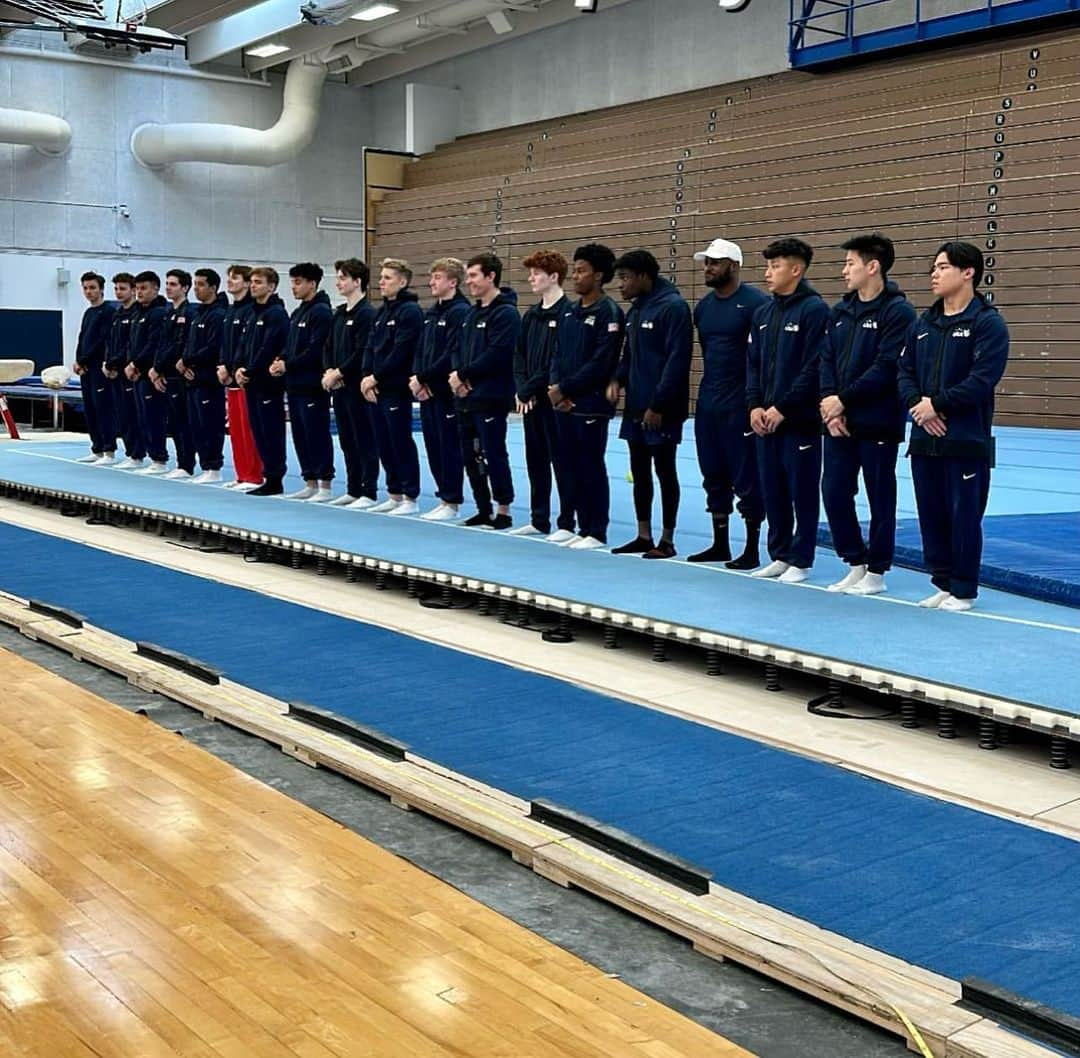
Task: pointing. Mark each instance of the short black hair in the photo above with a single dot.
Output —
(489, 264)
(180, 274)
(789, 248)
(306, 270)
(124, 277)
(355, 269)
(93, 277)
(599, 258)
(964, 255)
(212, 278)
(641, 262)
(148, 277)
(876, 247)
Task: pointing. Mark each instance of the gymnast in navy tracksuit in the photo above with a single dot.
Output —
(590, 338)
(483, 381)
(388, 366)
(782, 395)
(343, 359)
(861, 411)
(655, 371)
(202, 354)
(309, 403)
(725, 443)
(430, 384)
(116, 361)
(144, 343)
(90, 355)
(532, 376)
(263, 343)
(170, 351)
(954, 356)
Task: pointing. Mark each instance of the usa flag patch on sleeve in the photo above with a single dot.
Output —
(612, 328)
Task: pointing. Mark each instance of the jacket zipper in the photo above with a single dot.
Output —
(774, 335)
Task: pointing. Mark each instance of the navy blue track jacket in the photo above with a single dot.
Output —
(237, 317)
(858, 362)
(94, 331)
(723, 326)
(956, 361)
(350, 330)
(309, 328)
(265, 337)
(587, 353)
(144, 336)
(439, 340)
(391, 348)
(485, 355)
(655, 363)
(783, 357)
(173, 339)
(535, 349)
(202, 351)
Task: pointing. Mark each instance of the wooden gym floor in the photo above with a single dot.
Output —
(155, 901)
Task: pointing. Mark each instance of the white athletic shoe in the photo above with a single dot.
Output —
(154, 470)
(528, 529)
(569, 541)
(247, 486)
(794, 575)
(443, 513)
(321, 496)
(342, 501)
(586, 543)
(130, 464)
(364, 503)
(772, 570)
(385, 507)
(179, 474)
(90, 457)
(406, 507)
(561, 536)
(932, 602)
(955, 605)
(302, 494)
(208, 477)
(854, 575)
(871, 584)
(106, 460)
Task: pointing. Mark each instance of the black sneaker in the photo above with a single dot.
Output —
(712, 554)
(478, 520)
(502, 521)
(638, 546)
(268, 488)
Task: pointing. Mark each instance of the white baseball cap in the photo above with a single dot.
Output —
(719, 249)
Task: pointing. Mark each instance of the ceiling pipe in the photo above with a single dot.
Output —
(156, 145)
(48, 134)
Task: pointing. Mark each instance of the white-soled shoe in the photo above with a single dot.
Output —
(570, 541)
(179, 474)
(131, 464)
(90, 457)
(955, 605)
(855, 574)
(321, 496)
(364, 503)
(108, 459)
(794, 575)
(932, 602)
(772, 570)
(207, 477)
(246, 486)
(585, 543)
(154, 470)
(302, 494)
(561, 536)
(406, 507)
(871, 584)
(528, 529)
(342, 501)
(385, 507)
(443, 513)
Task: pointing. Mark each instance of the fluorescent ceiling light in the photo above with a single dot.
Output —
(266, 51)
(369, 14)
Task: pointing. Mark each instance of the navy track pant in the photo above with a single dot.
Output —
(443, 444)
(844, 459)
(206, 414)
(309, 419)
(790, 468)
(266, 410)
(582, 444)
(397, 450)
(727, 456)
(487, 462)
(356, 434)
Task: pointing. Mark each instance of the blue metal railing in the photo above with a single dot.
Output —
(827, 31)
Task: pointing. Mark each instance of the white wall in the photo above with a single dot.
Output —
(639, 50)
(190, 215)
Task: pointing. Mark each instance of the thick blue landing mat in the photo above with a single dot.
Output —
(945, 887)
(1003, 649)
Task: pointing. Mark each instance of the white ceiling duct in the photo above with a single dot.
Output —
(50, 135)
(159, 145)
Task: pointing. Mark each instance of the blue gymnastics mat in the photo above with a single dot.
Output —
(945, 887)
